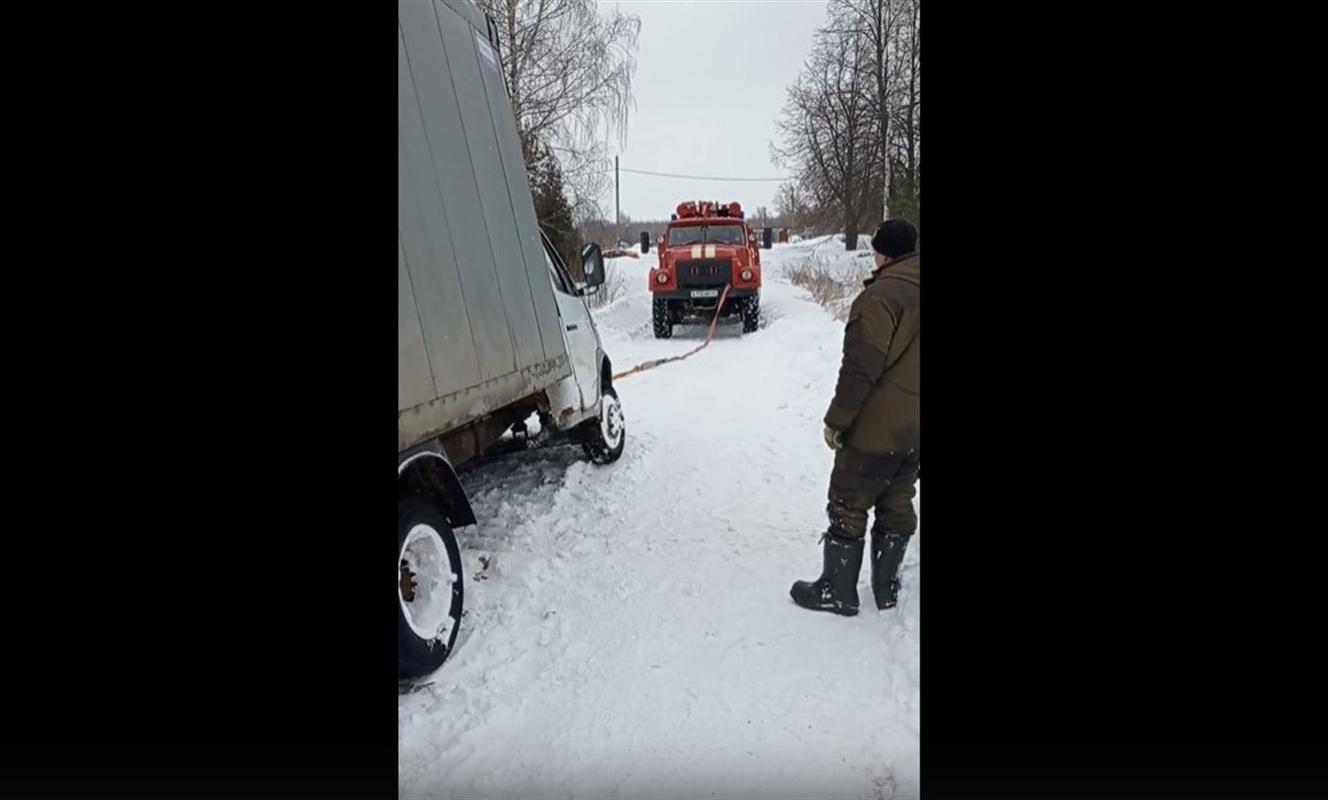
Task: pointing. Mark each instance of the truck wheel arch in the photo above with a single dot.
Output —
(425, 471)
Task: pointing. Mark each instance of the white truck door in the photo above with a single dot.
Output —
(579, 333)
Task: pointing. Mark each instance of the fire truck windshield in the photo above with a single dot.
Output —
(686, 234)
(696, 234)
(725, 234)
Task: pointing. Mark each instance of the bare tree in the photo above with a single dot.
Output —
(875, 22)
(799, 210)
(830, 131)
(869, 48)
(910, 70)
(569, 70)
(791, 205)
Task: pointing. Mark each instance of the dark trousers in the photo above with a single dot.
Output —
(861, 482)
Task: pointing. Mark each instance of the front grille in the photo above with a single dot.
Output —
(704, 273)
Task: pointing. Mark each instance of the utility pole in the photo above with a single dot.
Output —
(617, 211)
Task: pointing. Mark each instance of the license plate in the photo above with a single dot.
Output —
(705, 293)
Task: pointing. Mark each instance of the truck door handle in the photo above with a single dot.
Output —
(571, 327)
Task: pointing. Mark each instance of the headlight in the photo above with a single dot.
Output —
(746, 274)
(662, 278)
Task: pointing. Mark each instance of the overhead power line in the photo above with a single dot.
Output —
(701, 177)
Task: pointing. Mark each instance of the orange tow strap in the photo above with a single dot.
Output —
(645, 365)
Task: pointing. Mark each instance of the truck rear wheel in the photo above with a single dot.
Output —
(751, 313)
(429, 588)
(606, 439)
(660, 315)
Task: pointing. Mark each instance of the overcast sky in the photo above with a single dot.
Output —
(710, 83)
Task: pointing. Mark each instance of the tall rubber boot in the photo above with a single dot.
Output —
(887, 553)
(836, 590)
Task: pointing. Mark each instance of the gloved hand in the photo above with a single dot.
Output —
(834, 439)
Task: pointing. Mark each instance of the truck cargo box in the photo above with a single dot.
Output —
(477, 321)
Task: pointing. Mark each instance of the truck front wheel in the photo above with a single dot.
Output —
(429, 588)
(660, 318)
(605, 440)
(751, 313)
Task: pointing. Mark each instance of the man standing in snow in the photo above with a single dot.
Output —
(873, 427)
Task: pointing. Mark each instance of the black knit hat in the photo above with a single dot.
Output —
(895, 238)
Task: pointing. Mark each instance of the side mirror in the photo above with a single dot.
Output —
(592, 265)
(645, 241)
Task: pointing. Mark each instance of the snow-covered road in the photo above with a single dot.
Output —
(633, 634)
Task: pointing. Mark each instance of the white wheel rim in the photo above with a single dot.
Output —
(429, 612)
(612, 424)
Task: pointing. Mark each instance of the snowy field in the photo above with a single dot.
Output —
(632, 634)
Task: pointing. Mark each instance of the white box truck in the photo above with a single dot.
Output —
(491, 325)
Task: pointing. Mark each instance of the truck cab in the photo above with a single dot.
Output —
(585, 398)
(707, 248)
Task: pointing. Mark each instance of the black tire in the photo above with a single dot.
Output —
(660, 316)
(751, 314)
(606, 436)
(417, 654)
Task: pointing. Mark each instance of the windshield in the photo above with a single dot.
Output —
(725, 234)
(687, 234)
(696, 234)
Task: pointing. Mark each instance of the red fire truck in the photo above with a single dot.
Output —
(707, 246)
